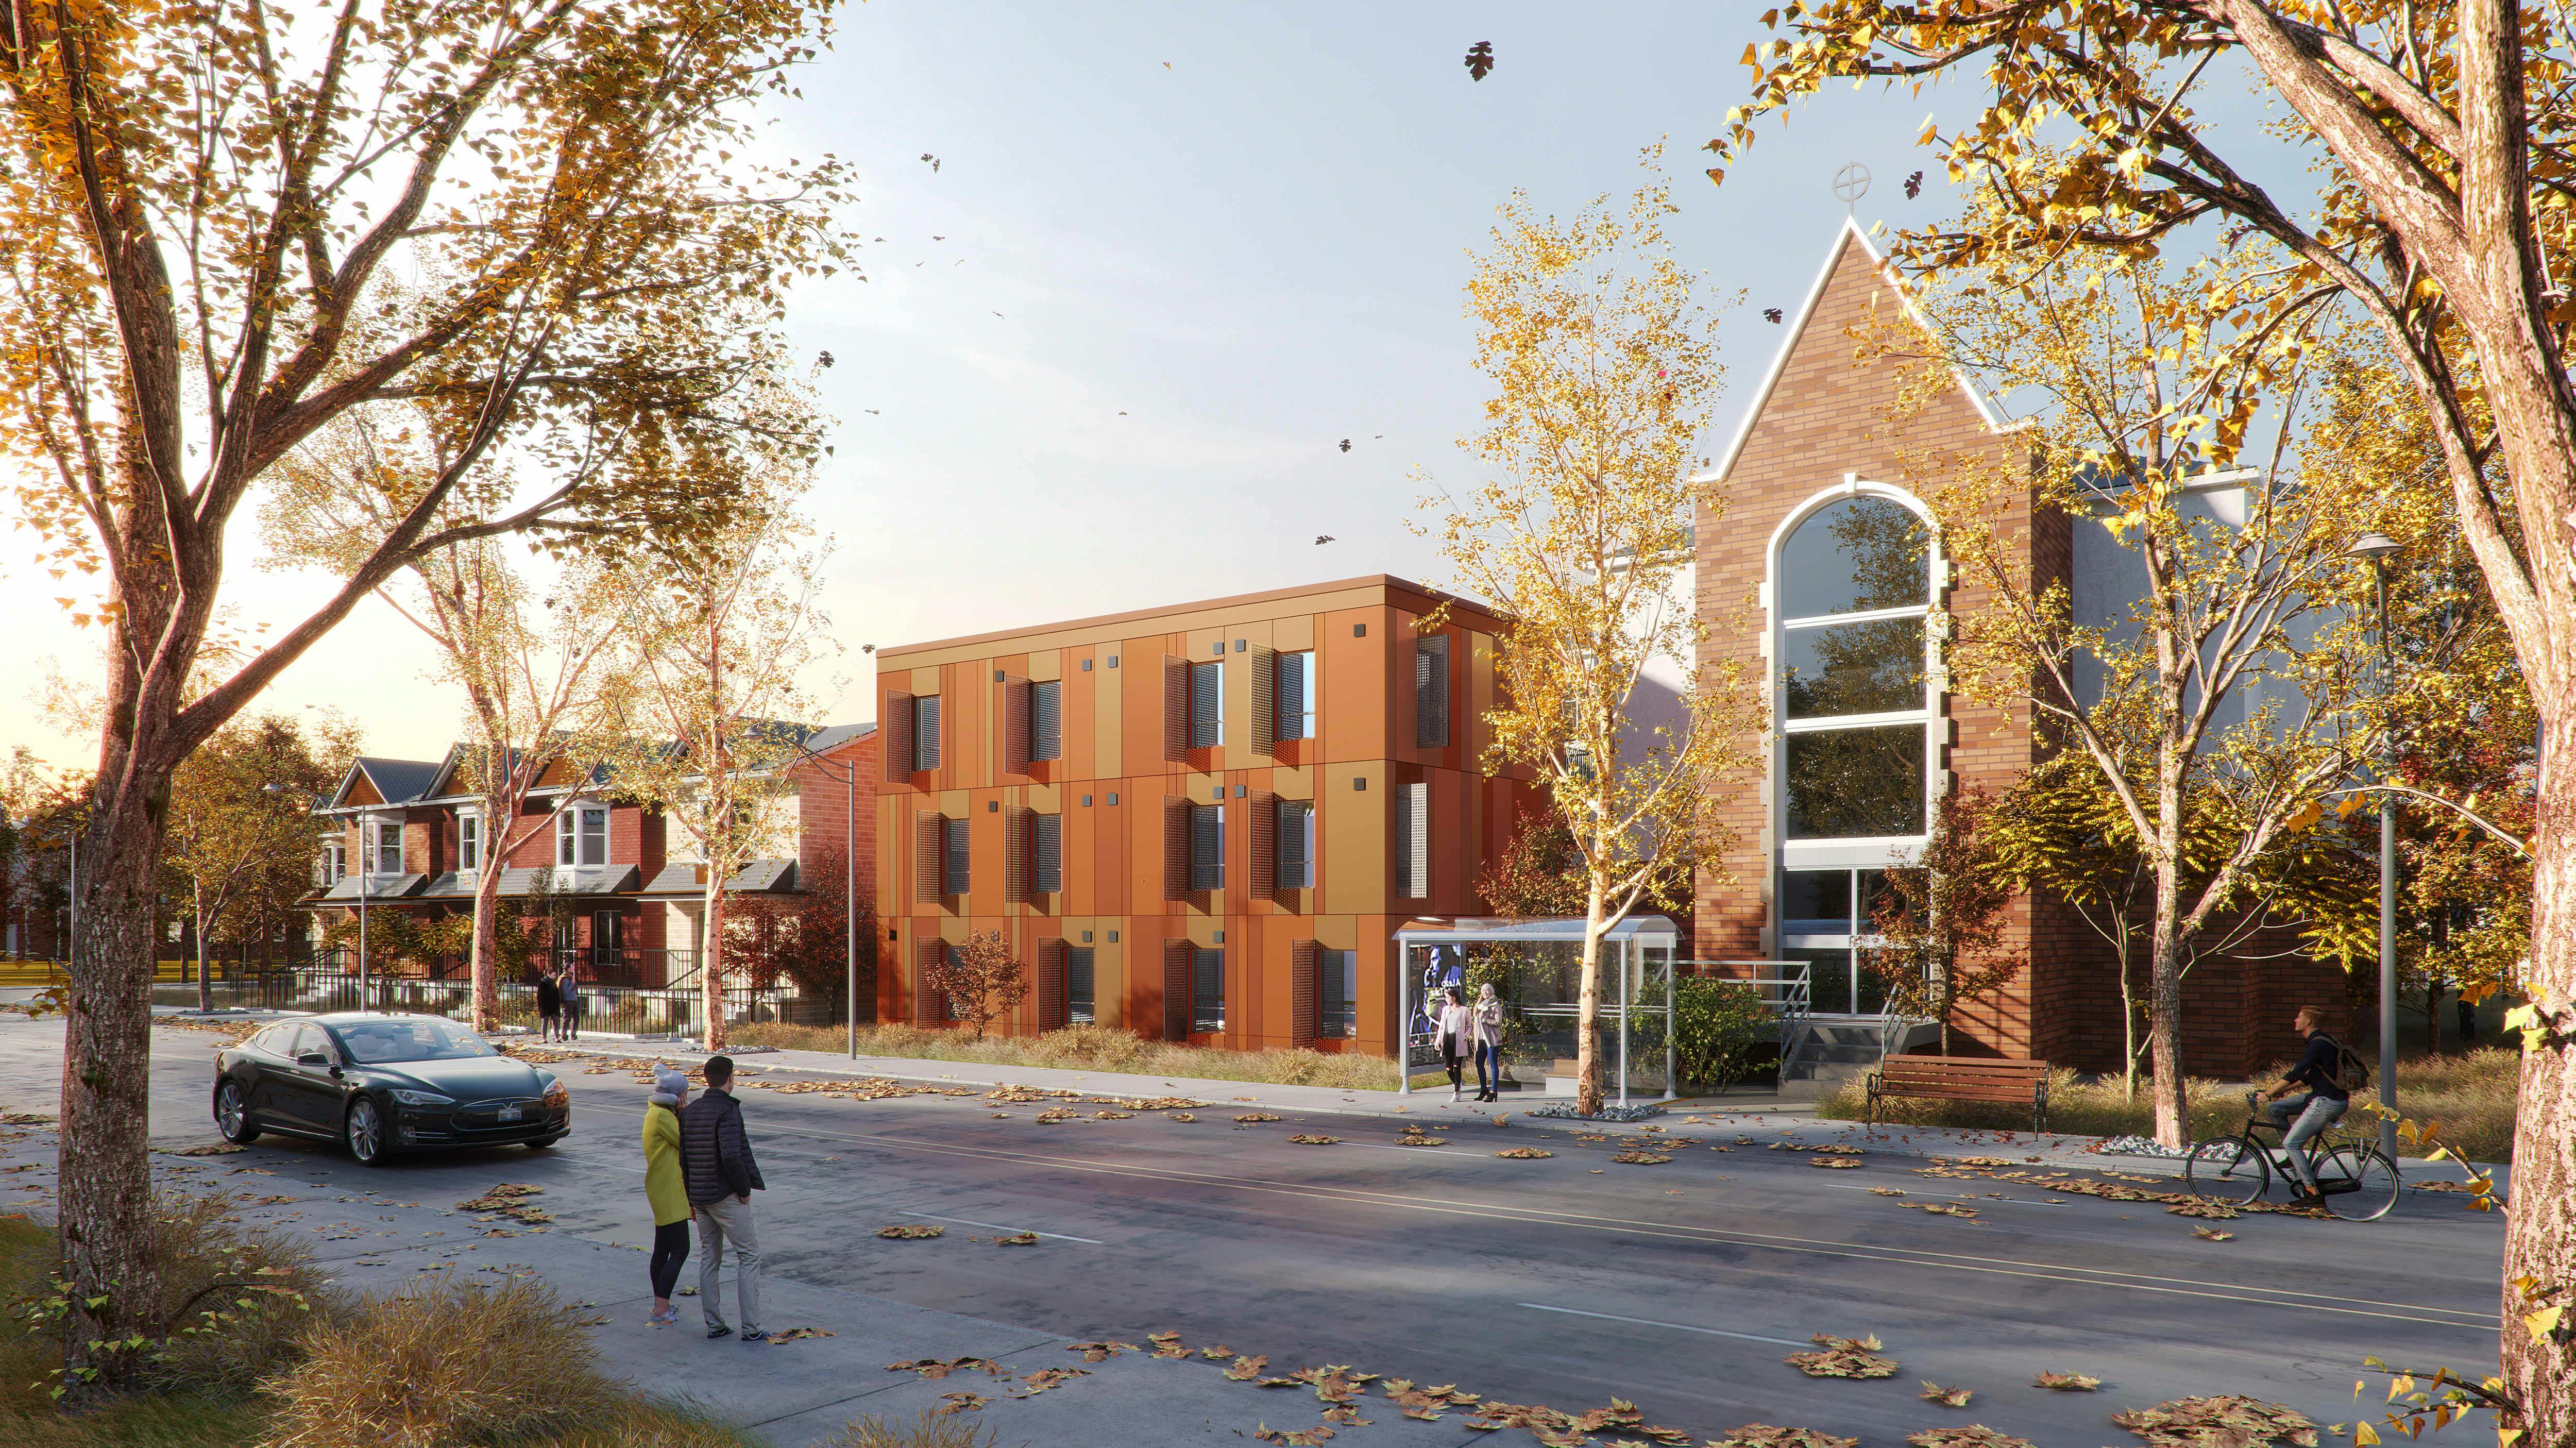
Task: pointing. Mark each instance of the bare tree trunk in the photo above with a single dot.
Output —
(1587, 1014)
(481, 965)
(205, 991)
(710, 967)
(105, 1193)
(2540, 1231)
(2164, 1011)
(2128, 1018)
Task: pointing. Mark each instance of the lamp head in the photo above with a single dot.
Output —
(2373, 546)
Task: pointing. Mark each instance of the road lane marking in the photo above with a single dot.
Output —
(1810, 1246)
(998, 1227)
(1676, 1326)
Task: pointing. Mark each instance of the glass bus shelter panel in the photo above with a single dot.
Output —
(1540, 987)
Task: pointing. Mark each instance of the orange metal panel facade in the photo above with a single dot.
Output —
(1112, 784)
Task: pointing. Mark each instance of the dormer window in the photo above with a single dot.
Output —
(581, 835)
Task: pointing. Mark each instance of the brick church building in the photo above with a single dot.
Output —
(1821, 573)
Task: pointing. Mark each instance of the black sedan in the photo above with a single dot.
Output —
(385, 1084)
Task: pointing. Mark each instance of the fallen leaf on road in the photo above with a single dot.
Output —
(933, 1369)
(1113, 1115)
(1093, 1352)
(1246, 1369)
(1017, 1239)
(1975, 1435)
(794, 1333)
(2212, 1234)
(212, 1148)
(1842, 1162)
(1523, 1153)
(1303, 1438)
(1942, 1209)
(1308, 1138)
(1763, 1435)
(1249, 1117)
(1045, 1378)
(959, 1403)
(1843, 1357)
(1180, 1116)
(2186, 1422)
(2066, 1382)
(1947, 1397)
(1885, 1192)
(912, 1230)
(1641, 1158)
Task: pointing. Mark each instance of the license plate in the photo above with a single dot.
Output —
(509, 1113)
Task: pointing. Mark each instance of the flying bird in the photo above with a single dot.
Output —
(1167, 65)
(1346, 444)
(1122, 412)
(1480, 59)
(1323, 538)
(826, 359)
(867, 648)
(872, 412)
(933, 160)
(997, 314)
(939, 238)
(1771, 314)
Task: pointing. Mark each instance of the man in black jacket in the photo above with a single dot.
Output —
(717, 1166)
(2325, 1103)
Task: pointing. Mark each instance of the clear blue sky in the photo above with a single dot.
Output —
(1253, 253)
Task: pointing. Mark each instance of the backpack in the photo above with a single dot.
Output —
(2350, 1071)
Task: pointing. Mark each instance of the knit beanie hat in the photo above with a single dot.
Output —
(669, 1085)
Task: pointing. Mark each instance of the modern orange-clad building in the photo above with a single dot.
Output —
(1202, 822)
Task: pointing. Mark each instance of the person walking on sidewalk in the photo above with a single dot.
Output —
(666, 1189)
(1485, 1033)
(1452, 1030)
(549, 1005)
(571, 1005)
(716, 1161)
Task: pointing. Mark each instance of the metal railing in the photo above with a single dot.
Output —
(1784, 988)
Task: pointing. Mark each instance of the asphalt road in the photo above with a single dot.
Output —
(1565, 1281)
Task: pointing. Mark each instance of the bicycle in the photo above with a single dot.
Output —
(2357, 1180)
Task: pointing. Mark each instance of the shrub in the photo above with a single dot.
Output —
(931, 1430)
(1086, 1048)
(1719, 1027)
(446, 1364)
(238, 1298)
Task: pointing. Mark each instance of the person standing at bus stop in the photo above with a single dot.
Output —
(1485, 1033)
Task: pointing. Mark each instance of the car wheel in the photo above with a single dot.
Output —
(365, 1132)
(232, 1114)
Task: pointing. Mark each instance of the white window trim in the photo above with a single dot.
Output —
(568, 835)
(1864, 851)
(471, 815)
(372, 830)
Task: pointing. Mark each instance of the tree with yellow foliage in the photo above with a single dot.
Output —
(1600, 353)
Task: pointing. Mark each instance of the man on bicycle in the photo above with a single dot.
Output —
(2301, 1120)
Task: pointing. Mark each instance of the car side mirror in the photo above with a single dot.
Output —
(312, 1058)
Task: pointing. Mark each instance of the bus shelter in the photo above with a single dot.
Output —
(1536, 970)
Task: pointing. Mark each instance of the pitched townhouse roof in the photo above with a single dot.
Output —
(682, 880)
(833, 736)
(395, 781)
(381, 887)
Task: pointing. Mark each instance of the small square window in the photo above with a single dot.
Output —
(1113, 937)
(1086, 801)
(1113, 661)
(1359, 630)
(997, 676)
(1220, 937)
(1218, 647)
(1238, 646)
(1238, 791)
(992, 806)
(1086, 937)
(891, 932)
(1217, 793)
(1086, 666)
(1359, 784)
(1113, 799)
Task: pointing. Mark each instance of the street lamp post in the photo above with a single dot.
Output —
(2376, 547)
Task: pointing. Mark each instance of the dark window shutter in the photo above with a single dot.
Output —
(1291, 671)
(960, 857)
(1288, 827)
(1015, 726)
(1177, 959)
(1431, 692)
(1046, 719)
(1303, 985)
(1263, 826)
(1207, 705)
(1207, 847)
(1176, 708)
(1176, 848)
(1207, 989)
(896, 747)
(1046, 860)
(1016, 843)
(1050, 985)
(929, 874)
(1413, 841)
(1265, 701)
(929, 1003)
(925, 732)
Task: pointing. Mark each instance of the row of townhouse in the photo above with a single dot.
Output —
(624, 885)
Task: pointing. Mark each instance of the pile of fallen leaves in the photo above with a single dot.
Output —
(1975, 1435)
(1254, 1118)
(1947, 1397)
(1150, 1103)
(2066, 1382)
(1641, 1158)
(2239, 1421)
(1942, 1209)
(1763, 1435)
(911, 1231)
(1314, 1138)
(1055, 1115)
(1023, 1095)
(508, 1199)
(1413, 1136)
(1843, 1357)
(1840, 1162)
(1523, 1153)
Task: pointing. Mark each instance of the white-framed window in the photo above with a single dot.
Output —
(335, 862)
(469, 841)
(581, 835)
(1825, 920)
(1295, 695)
(384, 846)
(1852, 659)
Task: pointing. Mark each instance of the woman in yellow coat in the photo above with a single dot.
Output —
(664, 1188)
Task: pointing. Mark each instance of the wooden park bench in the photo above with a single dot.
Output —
(1958, 1078)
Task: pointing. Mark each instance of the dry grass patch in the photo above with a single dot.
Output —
(2471, 1093)
(1086, 1048)
(933, 1429)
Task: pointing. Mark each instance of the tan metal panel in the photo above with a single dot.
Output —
(1047, 663)
(1351, 838)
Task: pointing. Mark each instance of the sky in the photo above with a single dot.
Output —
(1170, 257)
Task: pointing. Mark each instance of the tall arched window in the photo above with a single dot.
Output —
(1851, 596)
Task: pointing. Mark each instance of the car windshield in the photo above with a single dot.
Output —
(412, 1040)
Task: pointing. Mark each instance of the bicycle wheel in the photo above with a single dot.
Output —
(2359, 1184)
(2225, 1170)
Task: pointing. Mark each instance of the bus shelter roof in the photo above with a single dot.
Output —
(1647, 930)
